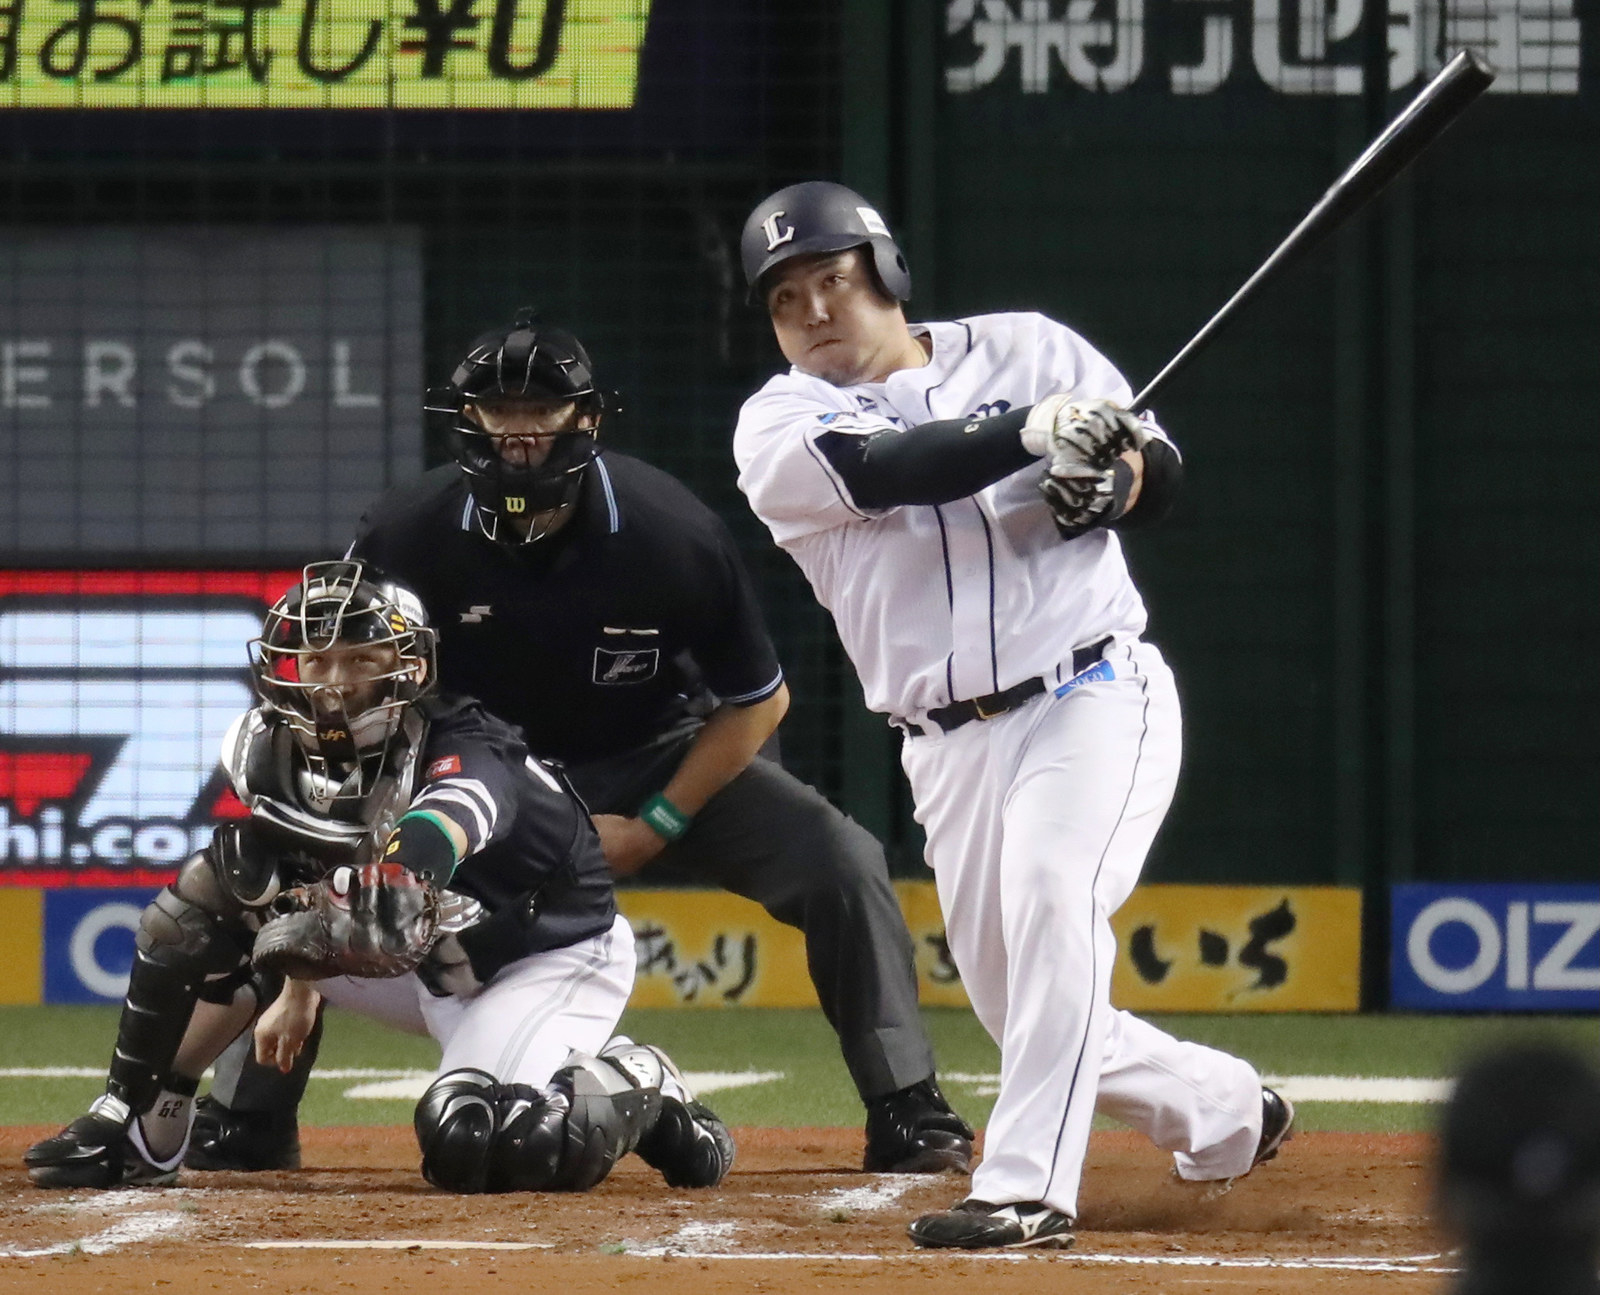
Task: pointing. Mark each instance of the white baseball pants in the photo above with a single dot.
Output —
(525, 1022)
(1038, 824)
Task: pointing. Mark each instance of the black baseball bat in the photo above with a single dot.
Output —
(1440, 102)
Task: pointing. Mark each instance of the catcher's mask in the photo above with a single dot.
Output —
(340, 658)
(527, 362)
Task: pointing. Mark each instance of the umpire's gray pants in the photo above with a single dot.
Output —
(769, 837)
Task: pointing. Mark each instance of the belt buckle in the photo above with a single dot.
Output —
(987, 714)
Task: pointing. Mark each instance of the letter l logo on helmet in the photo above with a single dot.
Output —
(775, 239)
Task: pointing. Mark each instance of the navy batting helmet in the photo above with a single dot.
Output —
(819, 216)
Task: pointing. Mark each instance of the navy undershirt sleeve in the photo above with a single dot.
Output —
(1158, 491)
(932, 463)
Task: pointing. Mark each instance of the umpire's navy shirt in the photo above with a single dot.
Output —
(617, 628)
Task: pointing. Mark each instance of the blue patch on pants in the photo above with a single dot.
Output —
(1100, 670)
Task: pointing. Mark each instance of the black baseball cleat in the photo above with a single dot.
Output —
(1277, 1127)
(100, 1149)
(1277, 1123)
(914, 1131)
(687, 1145)
(242, 1141)
(981, 1225)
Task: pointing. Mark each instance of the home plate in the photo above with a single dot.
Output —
(413, 1085)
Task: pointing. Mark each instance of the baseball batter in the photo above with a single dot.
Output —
(404, 852)
(953, 491)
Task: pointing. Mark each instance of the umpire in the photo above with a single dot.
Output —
(592, 600)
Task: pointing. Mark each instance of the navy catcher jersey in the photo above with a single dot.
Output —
(533, 858)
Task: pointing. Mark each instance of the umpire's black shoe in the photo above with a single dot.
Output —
(914, 1131)
(980, 1225)
(242, 1141)
(100, 1149)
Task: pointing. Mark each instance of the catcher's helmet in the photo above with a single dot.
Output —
(343, 604)
(528, 361)
(819, 216)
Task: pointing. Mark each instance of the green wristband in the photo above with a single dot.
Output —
(666, 820)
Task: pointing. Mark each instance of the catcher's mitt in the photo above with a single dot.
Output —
(375, 921)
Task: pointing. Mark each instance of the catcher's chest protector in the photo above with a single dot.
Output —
(300, 812)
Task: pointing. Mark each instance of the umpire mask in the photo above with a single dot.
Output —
(516, 474)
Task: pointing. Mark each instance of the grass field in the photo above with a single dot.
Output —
(813, 1089)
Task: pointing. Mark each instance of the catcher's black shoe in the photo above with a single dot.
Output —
(100, 1149)
(687, 1145)
(914, 1131)
(980, 1225)
(242, 1141)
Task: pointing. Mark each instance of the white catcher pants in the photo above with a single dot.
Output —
(1038, 824)
(523, 1024)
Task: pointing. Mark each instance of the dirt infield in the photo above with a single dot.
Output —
(1343, 1211)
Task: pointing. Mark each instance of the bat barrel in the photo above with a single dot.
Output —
(1440, 102)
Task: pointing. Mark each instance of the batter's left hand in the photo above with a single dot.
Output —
(628, 843)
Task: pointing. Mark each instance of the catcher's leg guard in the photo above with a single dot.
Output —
(189, 931)
(687, 1144)
(479, 1135)
(249, 1121)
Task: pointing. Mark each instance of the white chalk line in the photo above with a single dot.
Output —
(865, 1200)
(394, 1243)
(1383, 1090)
(130, 1231)
(409, 1085)
(1374, 1265)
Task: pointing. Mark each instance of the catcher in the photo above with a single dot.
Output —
(406, 857)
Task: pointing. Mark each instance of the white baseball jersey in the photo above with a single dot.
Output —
(946, 602)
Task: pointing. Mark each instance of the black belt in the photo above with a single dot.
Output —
(951, 717)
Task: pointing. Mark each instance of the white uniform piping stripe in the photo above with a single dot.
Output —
(611, 497)
(766, 690)
(466, 514)
(459, 794)
(542, 774)
(528, 1028)
(1094, 998)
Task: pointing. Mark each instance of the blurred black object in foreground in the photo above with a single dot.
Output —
(1519, 1178)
